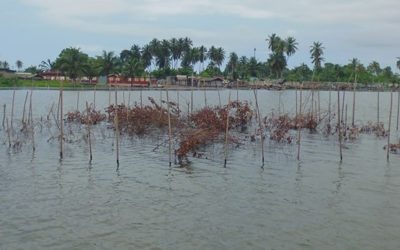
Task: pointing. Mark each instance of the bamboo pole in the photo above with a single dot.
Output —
(129, 98)
(116, 127)
(312, 104)
(227, 129)
(77, 101)
(94, 98)
(345, 120)
(4, 115)
(344, 97)
(169, 131)
(339, 130)
(191, 101)
(319, 106)
(354, 104)
(61, 123)
(398, 110)
(377, 108)
(141, 99)
(205, 98)
(12, 112)
(8, 134)
(389, 125)
(177, 103)
(296, 103)
(299, 126)
(260, 126)
(30, 121)
(237, 91)
(23, 111)
(219, 98)
(88, 130)
(329, 107)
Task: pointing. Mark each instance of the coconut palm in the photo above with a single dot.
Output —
(290, 46)
(47, 65)
(317, 51)
(19, 64)
(202, 56)
(146, 56)
(274, 42)
(355, 63)
(232, 65)
(108, 62)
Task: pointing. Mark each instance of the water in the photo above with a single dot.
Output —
(317, 203)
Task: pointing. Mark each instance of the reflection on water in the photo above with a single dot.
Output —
(144, 204)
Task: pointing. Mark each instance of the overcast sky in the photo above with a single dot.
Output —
(34, 30)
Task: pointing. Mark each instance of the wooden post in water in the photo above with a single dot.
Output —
(94, 98)
(4, 115)
(88, 130)
(354, 103)
(312, 103)
(319, 106)
(344, 97)
(23, 111)
(77, 101)
(205, 97)
(169, 131)
(296, 103)
(339, 125)
(227, 129)
(219, 97)
(177, 103)
(30, 122)
(61, 123)
(398, 110)
(191, 100)
(116, 124)
(8, 134)
(389, 125)
(329, 107)
(299, 126)
(141, 99)
(377, 108)
(12, 112)
(260, 126)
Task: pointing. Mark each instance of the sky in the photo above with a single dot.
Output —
(37, 30)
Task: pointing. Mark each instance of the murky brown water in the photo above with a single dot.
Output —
(317, 203)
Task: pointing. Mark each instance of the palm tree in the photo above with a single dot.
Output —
(232, 65)
(219, 56)
(146, 56)
(398, 63)
(47, 65)
(202, 56)
(19, 64)
(290, 46)
(274, 42)
(92, 68)
(355, 63)
(317, 51)
(108, 62)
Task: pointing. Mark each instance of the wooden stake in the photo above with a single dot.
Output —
(319, 106)
(178, 105)
(116, 128)
(260, 126)
(377, 108)
(354, 104)
(94, 98)
(4, 115)
(61, 123)
(389, 125)
(339, 130)
(329, 107)
(191, 101)
(23, 111)
(299, 126)
(77, 101)
(12, 112)
(398, 110)
(169, 131)
(141, 99)
(30, 121)
(219, 98)
(205, 98)
(9, 134)
(344, 97)
(296, 103)
(227, 129)
(88, 130)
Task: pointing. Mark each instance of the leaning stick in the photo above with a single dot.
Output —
(4, 115)
(389, 126)
(169, 131)
(299, 126)
(227, 129)
(30, 121)
(23, 111)
(88, 130)
(354, 104)
(94, 98)
(8, 134)
(344, 97)
(296, 103)
(77, 101)
(339, 130)
(329, 107)
(178, 104)
(260, 126)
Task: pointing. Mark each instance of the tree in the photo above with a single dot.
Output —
(19, 64)
(92, 68)
(108, 62)
(232, 65)
(72, 62)
(47, 65)
(202, 56)
(216, 55)
(355, 63)
(290, 46)
(317, 51)
(398, 63)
